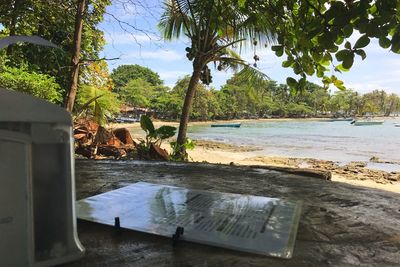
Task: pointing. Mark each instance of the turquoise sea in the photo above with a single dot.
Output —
(337, 141)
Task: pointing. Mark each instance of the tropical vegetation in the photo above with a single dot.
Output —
(237, 99)
(312, 35)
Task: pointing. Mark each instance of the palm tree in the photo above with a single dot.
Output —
(213, 27)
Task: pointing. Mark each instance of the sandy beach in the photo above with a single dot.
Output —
(354, 173)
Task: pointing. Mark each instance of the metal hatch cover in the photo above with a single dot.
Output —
(254, 224)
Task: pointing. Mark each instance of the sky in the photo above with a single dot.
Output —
(141, 43)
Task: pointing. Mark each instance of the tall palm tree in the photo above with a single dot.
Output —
(213, 27)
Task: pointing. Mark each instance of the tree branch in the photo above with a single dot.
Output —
(96, 60)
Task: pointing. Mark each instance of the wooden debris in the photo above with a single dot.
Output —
(124, 136)
(158, 153)
(95, 141)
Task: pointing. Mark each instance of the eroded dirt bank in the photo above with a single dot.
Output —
(341, 224)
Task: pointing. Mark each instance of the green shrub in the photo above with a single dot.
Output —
(21, 80)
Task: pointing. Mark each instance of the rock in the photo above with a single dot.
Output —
(374, 159)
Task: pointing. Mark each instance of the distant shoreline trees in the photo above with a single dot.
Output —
(237, 99)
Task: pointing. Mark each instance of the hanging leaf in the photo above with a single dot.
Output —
(341, 68)
(363, 41)
(291, 82)
(384, 42)
(348, 61)
(342, 54)
(361, 53)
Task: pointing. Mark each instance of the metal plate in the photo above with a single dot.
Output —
(254, 224)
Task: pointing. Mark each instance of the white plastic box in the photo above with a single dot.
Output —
(37, 191)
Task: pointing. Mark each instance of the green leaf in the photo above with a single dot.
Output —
(341, 68)
(326, 39)
(339, 40)
(384, 42)
(347, 45)
(278, 50)
(348, 30)
(396, 43)
(146, 124)
(342, 54)
(242, 3)
(291, 82)
(348, 60)
(363, 41)
(297, 68)
(276, 47)
(166, 131)
(325, 61)
(286, 64)
(339, 84)
(326, 80)
(320, 71)
(361, 53)
(189, 144)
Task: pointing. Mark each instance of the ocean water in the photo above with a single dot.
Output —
(337, 141)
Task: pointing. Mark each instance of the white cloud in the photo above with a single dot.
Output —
(120, 38)
(163, 55)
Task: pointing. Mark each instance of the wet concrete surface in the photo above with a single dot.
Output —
(340, 225)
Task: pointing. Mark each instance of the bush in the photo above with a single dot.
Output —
(40, 85)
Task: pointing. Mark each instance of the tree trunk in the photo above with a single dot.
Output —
(13, 23)
(71, 94)
(187, 105)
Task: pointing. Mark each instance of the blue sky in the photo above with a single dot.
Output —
(380, 70)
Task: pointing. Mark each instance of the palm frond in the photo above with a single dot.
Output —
(252, 76)
(173, 21)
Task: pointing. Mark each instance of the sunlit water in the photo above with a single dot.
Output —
(337, 141)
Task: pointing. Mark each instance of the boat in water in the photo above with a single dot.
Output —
(366, 121)
(232, 125)
(337, 119)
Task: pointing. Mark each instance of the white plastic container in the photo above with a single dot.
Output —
(37, 191)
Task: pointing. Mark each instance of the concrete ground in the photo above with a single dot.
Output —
(340, 225)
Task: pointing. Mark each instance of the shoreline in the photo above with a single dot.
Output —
(354, 173)
(158, 123)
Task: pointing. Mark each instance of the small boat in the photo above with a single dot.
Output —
(338, 119)
(232, 125)
(397, 125)
(365, 122)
